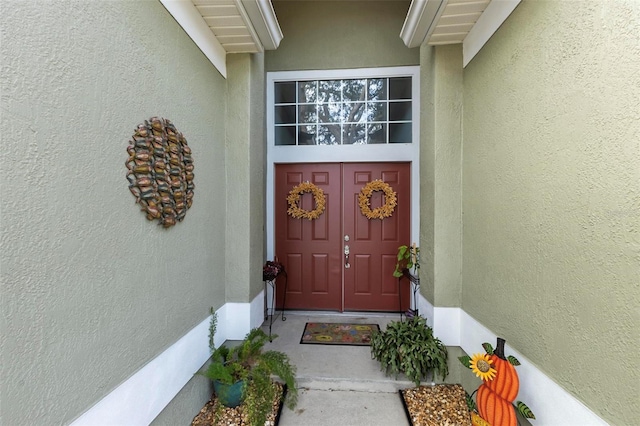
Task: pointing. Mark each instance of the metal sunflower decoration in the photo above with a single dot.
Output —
(160, 171)
(480, 364)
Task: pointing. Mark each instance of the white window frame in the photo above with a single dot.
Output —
(388, 152)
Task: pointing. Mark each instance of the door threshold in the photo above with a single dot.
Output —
(343, 314)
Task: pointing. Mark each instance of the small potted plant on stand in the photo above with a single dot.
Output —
(409, 258)
(241, 375)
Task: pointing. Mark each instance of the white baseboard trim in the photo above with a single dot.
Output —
(446, 325)
(257, 311)
(425, 309)
(550, 402)
(146, 393)
(236, 320)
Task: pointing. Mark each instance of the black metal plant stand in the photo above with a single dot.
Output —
(414, 285)
(271, 282)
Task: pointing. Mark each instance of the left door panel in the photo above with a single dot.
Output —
(309, 249)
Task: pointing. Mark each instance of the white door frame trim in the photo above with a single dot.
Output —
(343, 153)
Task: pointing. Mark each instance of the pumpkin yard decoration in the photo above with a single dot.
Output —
(499, 389)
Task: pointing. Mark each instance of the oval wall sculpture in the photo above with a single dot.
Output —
(160, 171)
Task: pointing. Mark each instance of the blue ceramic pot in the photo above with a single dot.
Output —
(229, 395)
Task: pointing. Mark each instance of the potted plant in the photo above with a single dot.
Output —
(242, 374)
(408, 258)
(410, 347)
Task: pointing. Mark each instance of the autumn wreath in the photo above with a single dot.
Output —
(294, 201)
(364, 200)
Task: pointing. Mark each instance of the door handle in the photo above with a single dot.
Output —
(346, 257)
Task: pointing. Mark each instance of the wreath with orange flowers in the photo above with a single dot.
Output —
(294, 209)
(364, 200)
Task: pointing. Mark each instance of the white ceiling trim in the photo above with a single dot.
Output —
(257, 44)
(236, 26)
(494, 15)
(427, 16)
(264, 21)
(188, 17)
(421, 20)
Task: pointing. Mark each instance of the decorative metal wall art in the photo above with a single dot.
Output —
(160, 171)
(364, 200)
(294, 201)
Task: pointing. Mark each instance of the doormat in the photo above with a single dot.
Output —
(325, 333)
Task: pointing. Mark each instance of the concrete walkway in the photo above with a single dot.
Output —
(341, 385)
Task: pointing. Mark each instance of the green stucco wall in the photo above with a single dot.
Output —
(340, 34)
(91, 290)
(427, 171)
(244, 255)
(246, 151)
(441, 174)
(257, 175)
(551, 195)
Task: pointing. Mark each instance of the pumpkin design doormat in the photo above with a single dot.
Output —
(325, 333)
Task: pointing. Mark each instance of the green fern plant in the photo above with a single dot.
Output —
(410, 347)
(247, 362)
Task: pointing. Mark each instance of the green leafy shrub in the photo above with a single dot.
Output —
(410, 347)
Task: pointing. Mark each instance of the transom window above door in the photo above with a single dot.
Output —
(342, 111)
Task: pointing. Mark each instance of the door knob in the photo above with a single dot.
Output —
(346, 257)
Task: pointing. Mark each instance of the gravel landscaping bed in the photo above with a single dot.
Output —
(236, 416)
(438, 405)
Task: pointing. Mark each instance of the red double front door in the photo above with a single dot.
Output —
(320, 275)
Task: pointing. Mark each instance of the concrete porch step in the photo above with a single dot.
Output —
(351, 384)
(320, 407)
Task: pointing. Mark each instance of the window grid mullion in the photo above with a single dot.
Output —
(367, 120)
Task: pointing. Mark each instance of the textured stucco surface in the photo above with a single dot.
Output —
(245, 149)
(448, 176)
(340, 34)
(91, 290)
(257, 175)
(427, 170)
(440, 181)
(187, 404)
(551, 195)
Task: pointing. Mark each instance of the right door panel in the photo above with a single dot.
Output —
(369, 284)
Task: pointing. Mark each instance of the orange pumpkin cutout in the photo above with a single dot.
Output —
(495, 409)
(506, 383)
(495, 397)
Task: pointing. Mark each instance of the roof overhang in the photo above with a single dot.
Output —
(219, 27)
(470, 22)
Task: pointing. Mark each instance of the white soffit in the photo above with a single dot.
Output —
(264, 21)
(188, 17)
(219, 27)
(470, 22)
(488, 23)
